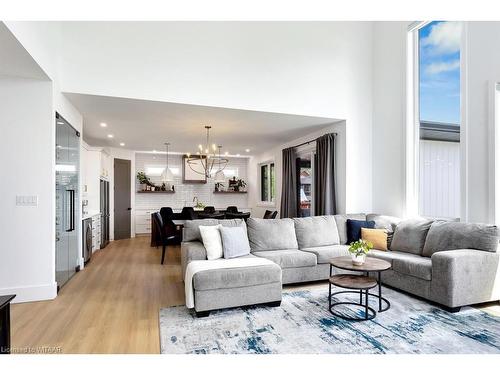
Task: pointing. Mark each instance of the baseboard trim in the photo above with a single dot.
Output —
(31, 293)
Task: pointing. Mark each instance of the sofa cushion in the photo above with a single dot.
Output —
(390, 256)
(234, 241)
(445, 235)
(409, 236)
(191, 230)
(377, 237)
(341, 220)
(289, 258)
(212, 241)
(236, 277)
(274, 234)
(316, 231)
(325, 253)
(389, 223)
(419, 267)
(354, 229)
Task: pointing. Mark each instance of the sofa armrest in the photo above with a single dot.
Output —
(192, 250)
(463, 277)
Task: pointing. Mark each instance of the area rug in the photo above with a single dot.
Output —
(303, 325)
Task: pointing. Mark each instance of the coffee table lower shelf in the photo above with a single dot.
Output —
(358, 284)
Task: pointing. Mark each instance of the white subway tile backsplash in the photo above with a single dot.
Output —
(184, 193)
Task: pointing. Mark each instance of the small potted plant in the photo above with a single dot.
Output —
(143, 180)
(240, 185)
(358, 251)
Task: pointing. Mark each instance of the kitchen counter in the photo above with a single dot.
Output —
(90, 214)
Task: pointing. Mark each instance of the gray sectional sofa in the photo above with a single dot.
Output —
(450, 263)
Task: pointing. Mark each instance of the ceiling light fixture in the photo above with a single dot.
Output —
(247, 150)
(122, 144)
(103, 124)
(237, 154)
(167, 175)
(110, 135)
(207, 158)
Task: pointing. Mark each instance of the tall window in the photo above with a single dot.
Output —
(438, 118)
(267, 182)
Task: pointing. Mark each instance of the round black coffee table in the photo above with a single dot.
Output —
(359, 284)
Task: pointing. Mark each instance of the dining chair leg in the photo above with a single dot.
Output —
(163, 254)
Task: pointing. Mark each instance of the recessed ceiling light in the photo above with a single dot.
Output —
(103, 124)
(110, 135)
(247, 150)
(122, 144)
(226, 153)
(154, 150)
(237, 154)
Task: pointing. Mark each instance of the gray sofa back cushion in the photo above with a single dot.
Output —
(389, 223)
(316, 231)
(274, 234)
(444, 236)
(191, 231)
(341, 220)
(409, 236)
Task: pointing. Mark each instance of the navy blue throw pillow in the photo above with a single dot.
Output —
(354, 229)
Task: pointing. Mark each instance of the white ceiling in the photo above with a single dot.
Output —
(146, 125)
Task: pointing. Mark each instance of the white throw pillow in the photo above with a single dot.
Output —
(212, 241)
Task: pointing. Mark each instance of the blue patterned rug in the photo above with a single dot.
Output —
(302, 324)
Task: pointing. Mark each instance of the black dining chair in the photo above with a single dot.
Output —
(167, 233)
(188, 213)
(232, 209)
(270, 214)
(238, 215)
(209, 210)
(166, 213)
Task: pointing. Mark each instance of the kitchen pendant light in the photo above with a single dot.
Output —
(167, 175)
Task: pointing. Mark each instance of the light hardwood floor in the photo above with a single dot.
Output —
(112, 305)
(109, 307)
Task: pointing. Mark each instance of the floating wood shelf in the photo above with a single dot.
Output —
(156, 192)
(230, 192)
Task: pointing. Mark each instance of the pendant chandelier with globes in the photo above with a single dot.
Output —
(208, 160)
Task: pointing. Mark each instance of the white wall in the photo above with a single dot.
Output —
(483, 68)
(389, 101)
(27, 255)
(42, 40)
(275, 155)
(307, 68)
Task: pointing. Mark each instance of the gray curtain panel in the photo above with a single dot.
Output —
(324, 182)
(289, 184)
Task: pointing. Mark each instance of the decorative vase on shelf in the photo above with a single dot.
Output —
(358, 260)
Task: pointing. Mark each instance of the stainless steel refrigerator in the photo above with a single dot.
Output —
(67, 200)
(104, 195)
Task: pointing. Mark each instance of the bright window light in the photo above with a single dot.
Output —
(65, 168)
(156, 171)
(230, 172)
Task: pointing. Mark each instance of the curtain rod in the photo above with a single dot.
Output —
(308, 142)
